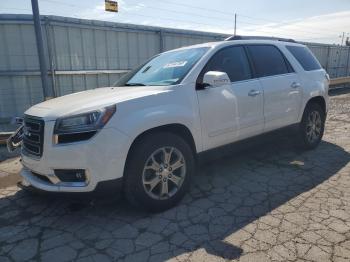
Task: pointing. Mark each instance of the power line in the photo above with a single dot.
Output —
(231, 14)
(276, 27)
(284, 36)
(278, 23)
(151, 7)
(142, 15)
(19, 9)
(198, 15)
(149, 16)
(61, 3)
(240, 15)
(176, 20)
(188, 13)
(282, 23)
(196, 7)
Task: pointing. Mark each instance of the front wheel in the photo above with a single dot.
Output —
(158, 171)
(311, 127)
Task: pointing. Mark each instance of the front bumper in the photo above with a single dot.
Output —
(103, 187)
(102, 157)
(50, 182)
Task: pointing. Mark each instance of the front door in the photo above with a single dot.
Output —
(232, 111)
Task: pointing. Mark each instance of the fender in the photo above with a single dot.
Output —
(137, 116)
(317, 89)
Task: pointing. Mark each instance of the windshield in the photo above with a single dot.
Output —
(165, 69)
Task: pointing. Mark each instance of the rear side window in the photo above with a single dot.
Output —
(231, 60)
(304, 57)
(268, 60)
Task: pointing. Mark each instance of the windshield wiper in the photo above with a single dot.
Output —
(134, 84)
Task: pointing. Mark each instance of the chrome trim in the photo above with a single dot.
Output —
(35, 126)
(53, 178)
(56, 182)
(28, 119)
(253, 93)
(31, 151)
(55, 137)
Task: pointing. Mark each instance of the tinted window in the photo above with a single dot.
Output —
(231, 60)
(304, 57)
(268, 60)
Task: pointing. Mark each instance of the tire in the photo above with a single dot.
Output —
(311, 130)
(145, 178)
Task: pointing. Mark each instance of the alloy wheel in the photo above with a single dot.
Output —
(313, 127)
(164, 173)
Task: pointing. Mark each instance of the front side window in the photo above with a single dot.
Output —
(304, 57)
(231, 60)
(165, 69)
(268, 60)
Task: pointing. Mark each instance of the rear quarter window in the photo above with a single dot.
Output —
(305, 58)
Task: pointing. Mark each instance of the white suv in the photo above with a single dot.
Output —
(146, 131)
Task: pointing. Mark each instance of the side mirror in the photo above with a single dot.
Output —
(215, 79)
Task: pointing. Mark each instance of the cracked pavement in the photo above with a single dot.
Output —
(270, 202)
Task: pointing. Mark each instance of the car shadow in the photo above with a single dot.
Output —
(232, 188)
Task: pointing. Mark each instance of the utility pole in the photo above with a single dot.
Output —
(342, 38)
(47, 90)
(340, 53)
(235, 24)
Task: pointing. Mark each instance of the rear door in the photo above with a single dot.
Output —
(281, 85)
(232, 111)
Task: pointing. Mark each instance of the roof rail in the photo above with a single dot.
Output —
(246, 37)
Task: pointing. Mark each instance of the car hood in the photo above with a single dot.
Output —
(91, 100)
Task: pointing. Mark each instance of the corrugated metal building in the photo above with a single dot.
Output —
(85, 54)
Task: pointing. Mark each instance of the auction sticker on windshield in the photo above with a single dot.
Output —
(175, 64)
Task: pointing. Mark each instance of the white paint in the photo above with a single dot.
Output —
(215, 116)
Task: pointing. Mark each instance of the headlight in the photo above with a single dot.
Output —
(83, 126)
(77, 123)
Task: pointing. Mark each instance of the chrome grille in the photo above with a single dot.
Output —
(33, 136)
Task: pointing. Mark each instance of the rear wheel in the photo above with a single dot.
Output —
(158, 172)
(311, 127)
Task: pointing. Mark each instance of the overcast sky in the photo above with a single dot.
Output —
(307, 20)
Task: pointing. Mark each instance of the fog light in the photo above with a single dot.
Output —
(71, 175)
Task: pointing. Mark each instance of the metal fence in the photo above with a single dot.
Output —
(335, 59)
(85, 54)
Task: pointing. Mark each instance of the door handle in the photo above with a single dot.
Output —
(295, 85)
(254, 92)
